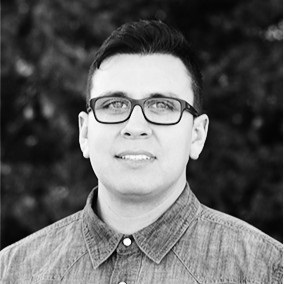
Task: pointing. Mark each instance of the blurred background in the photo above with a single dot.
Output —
(47, 48)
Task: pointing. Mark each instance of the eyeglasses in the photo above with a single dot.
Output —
(158, 109)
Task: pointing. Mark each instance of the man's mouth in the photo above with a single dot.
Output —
(135, 156)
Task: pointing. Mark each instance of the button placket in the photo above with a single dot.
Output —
(128, 261)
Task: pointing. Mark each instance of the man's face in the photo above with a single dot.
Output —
(136, 158)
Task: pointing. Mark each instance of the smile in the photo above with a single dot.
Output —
(136, 157)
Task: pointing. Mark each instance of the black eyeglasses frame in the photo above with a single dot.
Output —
(185, 106)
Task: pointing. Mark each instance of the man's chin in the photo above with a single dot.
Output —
(134, 191)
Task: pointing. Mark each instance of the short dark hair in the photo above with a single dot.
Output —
(149, 37)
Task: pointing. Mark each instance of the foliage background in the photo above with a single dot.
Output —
(47, 47)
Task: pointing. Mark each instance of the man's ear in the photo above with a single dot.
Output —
(83, 133)
(199, 134)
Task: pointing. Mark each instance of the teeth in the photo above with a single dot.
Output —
(135, 157)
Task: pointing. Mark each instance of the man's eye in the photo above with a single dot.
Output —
(115, 105)
(161, 105)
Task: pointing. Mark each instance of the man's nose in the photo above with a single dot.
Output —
(136, 126)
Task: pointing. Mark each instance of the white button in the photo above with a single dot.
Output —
(122, 282)
(127, 242)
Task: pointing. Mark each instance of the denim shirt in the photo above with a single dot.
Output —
(189, 243)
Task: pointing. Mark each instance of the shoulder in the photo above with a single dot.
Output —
(29, 254)
(220, 247)
(227, 224)
(52, 231)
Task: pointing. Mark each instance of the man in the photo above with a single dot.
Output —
(143, 224)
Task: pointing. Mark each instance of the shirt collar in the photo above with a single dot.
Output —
(100, 239)
(155, 241)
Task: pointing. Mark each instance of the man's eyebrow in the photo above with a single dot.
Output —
(159, 95)
(122, 94)
(114, 94)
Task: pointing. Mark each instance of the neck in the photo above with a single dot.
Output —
(127, 216)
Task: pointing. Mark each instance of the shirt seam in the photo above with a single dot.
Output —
(186, 267)
(235, 227)
(216, 282)
(44, 231)
(73, 263)
(143, 257)
(58, 276)
(201, 216)
(277, 272)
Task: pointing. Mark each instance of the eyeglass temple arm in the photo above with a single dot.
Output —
(192, 110)
(88, 108)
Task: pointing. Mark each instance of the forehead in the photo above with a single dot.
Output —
(141, 75)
